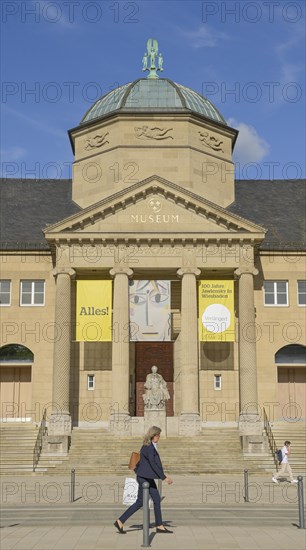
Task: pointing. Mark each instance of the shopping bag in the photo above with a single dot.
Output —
(130, 491)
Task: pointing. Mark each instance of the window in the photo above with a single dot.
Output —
(217, 381)
(276, 293)
(90, 381)
(5, 292)
(301, 293)
(32, 293)
(291, 354)
(16, 353)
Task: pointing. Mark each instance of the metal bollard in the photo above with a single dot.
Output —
(146, 515)
(72, 486)
(301, 502)
(246, 485)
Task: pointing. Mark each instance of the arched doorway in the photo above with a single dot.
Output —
(15, 383)
(291, 382)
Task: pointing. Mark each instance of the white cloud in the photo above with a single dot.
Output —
(250, 147)
(54, 12)
(290, 71)
(204, 37)
(12, 153)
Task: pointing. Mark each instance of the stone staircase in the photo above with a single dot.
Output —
(96, 452)
(296, 433)
(17, 441)
(215, 451)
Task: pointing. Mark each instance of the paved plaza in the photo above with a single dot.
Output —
(204, 513)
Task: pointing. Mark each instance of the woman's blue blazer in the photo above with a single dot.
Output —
(149, 466)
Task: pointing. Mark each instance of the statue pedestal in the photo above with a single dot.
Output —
(155, 417)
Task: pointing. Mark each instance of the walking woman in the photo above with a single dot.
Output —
(148, 468)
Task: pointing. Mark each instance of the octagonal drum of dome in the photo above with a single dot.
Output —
(153, 127)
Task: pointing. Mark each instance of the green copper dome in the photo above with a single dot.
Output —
(156, 95)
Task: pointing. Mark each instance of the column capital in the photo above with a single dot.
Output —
(249, 270)
(188, 271)
(63, 271)
(121, 271)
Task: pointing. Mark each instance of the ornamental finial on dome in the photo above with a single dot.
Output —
(152, 49)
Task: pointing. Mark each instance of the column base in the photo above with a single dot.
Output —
(250, 424)
(120, 424)
(189, 424)
(60, 424)
(155, 417)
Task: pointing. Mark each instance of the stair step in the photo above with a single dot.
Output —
(17, 446)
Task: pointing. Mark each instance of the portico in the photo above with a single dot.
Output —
(218, 244)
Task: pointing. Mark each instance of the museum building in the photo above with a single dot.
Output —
(152, 255)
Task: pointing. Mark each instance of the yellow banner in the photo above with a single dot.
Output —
(216, 311)
(94, 311)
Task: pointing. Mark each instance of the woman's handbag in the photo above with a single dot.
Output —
(135, 457)
(130, 491)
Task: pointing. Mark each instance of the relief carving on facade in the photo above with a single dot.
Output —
(144, 132)
(156, 391)
(152, 213)
(211, 142)
(155, 204)
(157, 250)
(96, 141)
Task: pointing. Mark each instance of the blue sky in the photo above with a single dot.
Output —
(247, 57)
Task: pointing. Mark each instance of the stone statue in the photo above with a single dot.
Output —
(151, 59)
(152, 47)
(145, 62)
(157, 393)
(160, 62)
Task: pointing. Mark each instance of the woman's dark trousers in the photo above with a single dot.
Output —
(154, 494)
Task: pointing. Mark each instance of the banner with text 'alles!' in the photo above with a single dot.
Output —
(216, 311)
(94, 311)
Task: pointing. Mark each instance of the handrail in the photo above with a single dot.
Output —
(38, 444)
(272, 442)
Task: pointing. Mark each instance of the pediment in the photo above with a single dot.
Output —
(153, 206)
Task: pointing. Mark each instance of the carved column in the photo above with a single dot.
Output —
(249, 419)
(60, 421)
(190, 423)
(120, 417)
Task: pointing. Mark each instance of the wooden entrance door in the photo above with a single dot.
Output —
(148, 354)
(15, 392)
(292, 392)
